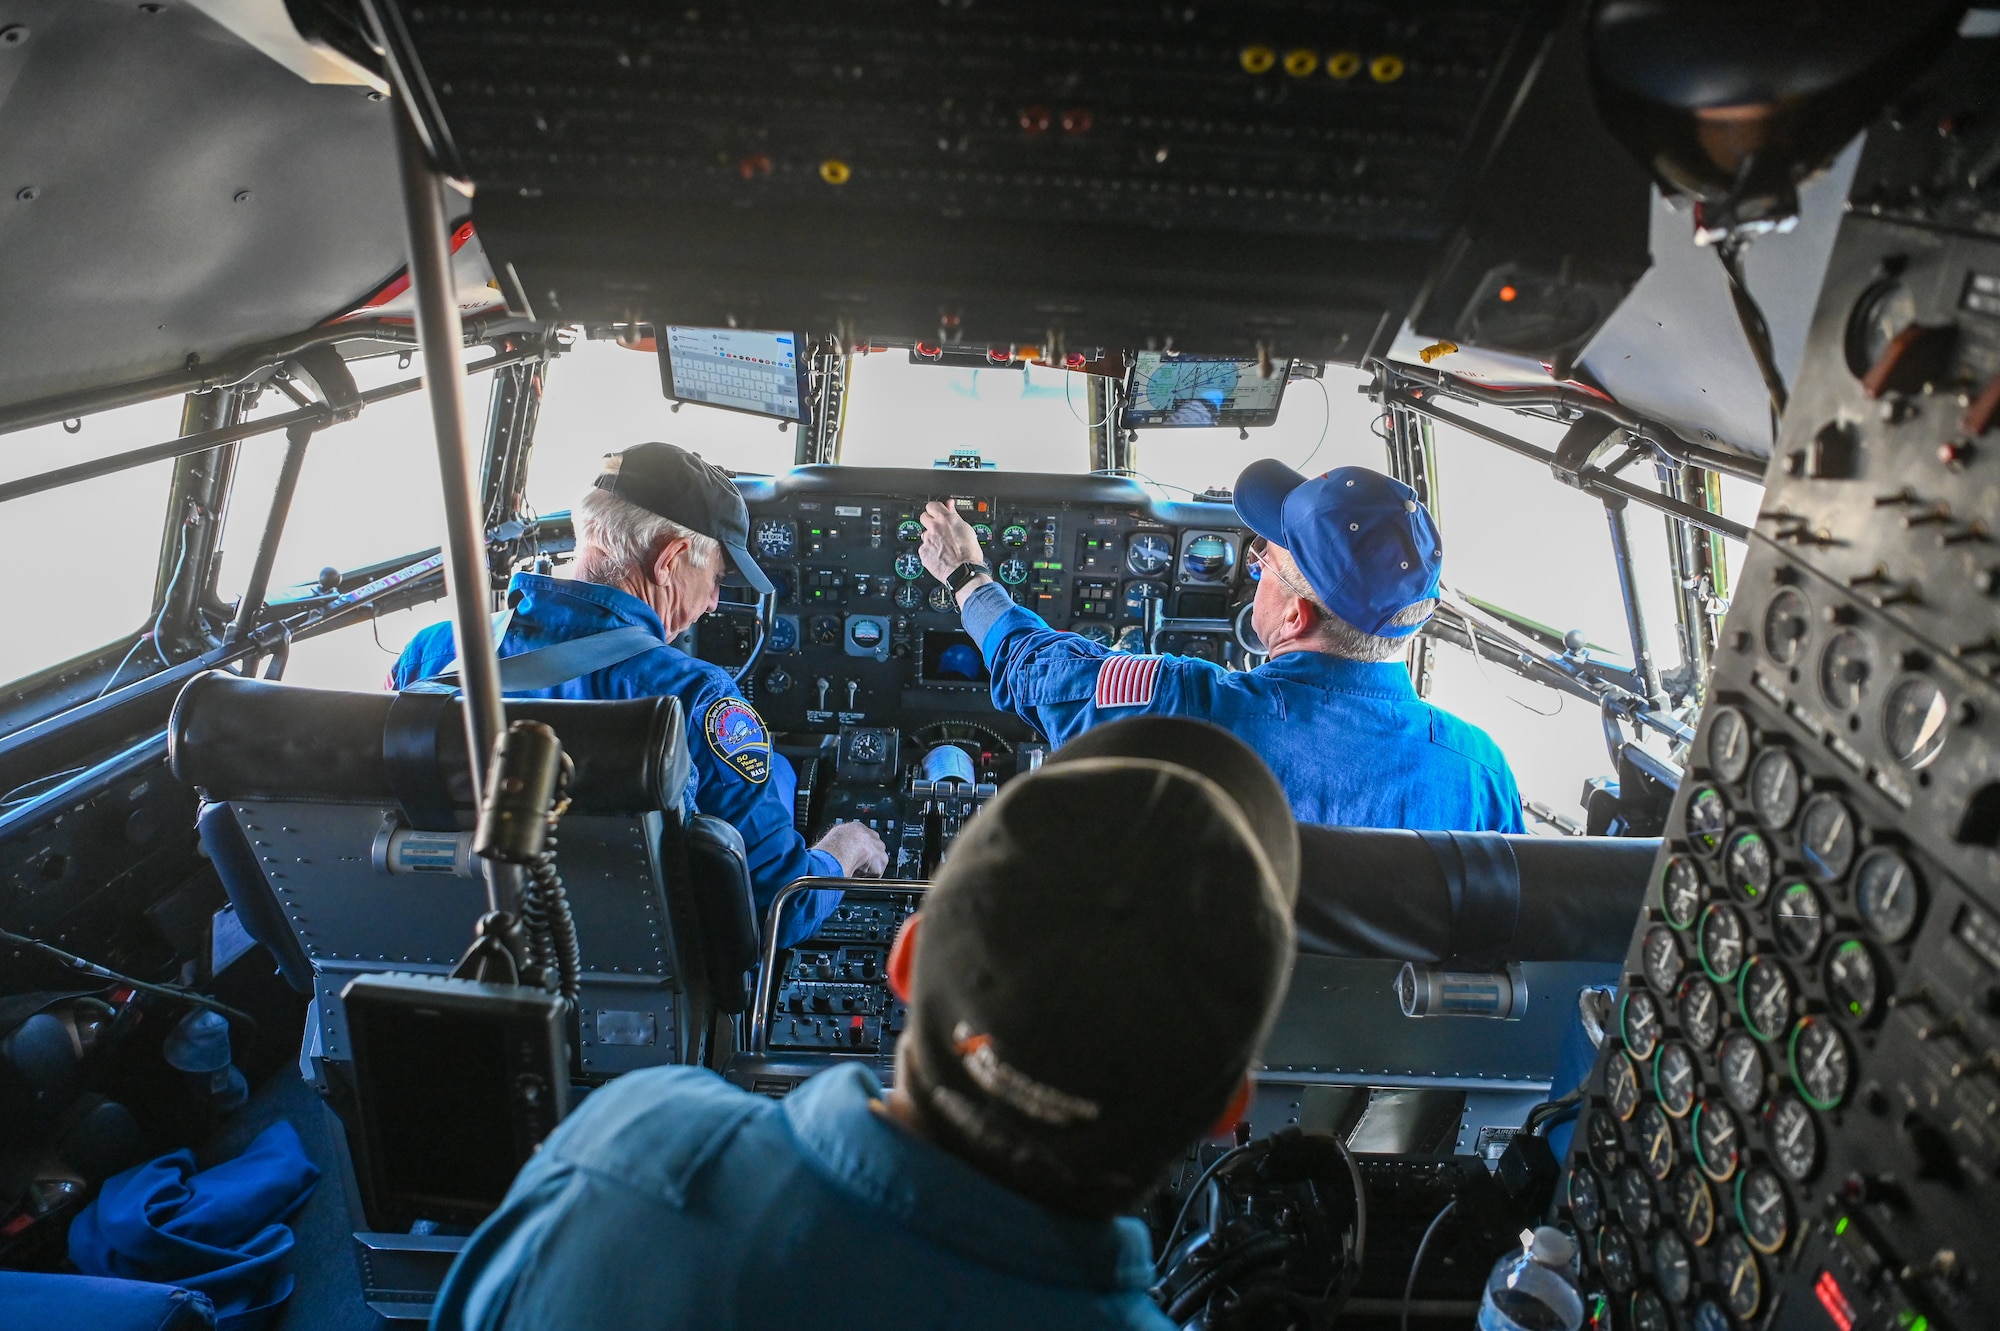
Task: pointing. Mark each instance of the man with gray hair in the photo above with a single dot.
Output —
(1347, 568)
(655, 537)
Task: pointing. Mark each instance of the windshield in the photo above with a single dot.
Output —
(900, 413)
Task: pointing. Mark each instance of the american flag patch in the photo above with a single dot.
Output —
(1127, 681)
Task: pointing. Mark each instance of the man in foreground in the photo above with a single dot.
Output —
(1082, 1007)
(1347, 567)
(652, 536)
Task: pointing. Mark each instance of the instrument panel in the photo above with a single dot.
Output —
(862, 636)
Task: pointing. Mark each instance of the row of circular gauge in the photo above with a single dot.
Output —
(1775, 1071)
(1914, 714)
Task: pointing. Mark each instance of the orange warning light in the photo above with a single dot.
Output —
(1507, 293)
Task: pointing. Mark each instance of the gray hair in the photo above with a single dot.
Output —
(616, 540)
(1336, 636)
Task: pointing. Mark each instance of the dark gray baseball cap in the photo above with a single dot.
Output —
(677, 485)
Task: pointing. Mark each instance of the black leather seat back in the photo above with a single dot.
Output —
(719, 883)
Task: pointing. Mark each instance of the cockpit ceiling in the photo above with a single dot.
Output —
(167, 192)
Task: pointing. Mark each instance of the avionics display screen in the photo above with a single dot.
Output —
(739, 369)
(441, 1128)
(952, 658)
(1166, 391)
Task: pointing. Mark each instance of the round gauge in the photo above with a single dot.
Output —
(1826, 838)
(1098, 632)
(784, 635)
(1673, 1266)
(1883, 311)
(1821, 1068)
(1656, 1148)
(941, 599)
(1787, 625)
(1603, 1144)
(1764, 997)
(1729, 743)
(1675, 1079)
(1886, 894)
(1616, 1261)
(1132, 640)
(1208, 558)
(1775, 786)
(1742, 1064)
(1913, 721)
(1661, 957)
(1639, 1022)
(1148, 554)
(1798, 921)
(1632, 1199)
(1621, 1086)
(1852, 984)
(983, 532)
(1720, 936)
(1011, 571)
(1741, 1280)
(1844, 667)
(909, 529)
(909, 596)
(1748, 864)
(777, 680)
(1138, 593)
(865, 633)
(1794, 1137)
(1694, 1205)
(1718, 1142)
(776, 538)
(1699, 1006)
(1681, 891)
(908, 567)
(1586, 1203)
(866, 746)
(1708, 1316)
(1763, 1209)
(1648, 1313)
(1014, 535)
(1707, 816)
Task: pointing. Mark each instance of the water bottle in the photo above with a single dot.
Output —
(1534, 1289)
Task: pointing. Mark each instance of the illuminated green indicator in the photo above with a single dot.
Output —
(1840, 1227)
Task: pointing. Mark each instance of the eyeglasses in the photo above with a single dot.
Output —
(1259, 552)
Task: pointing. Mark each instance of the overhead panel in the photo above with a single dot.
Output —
(1199, 176)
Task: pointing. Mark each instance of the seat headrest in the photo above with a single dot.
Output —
(235, 739)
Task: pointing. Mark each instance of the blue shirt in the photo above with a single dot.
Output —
(1350, 741)
(731, 750)
(674, 1200)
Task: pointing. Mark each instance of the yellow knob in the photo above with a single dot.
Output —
(1258, 59)
(1386, 68)
(835, 172)
(1343, 64)
(1301, 62)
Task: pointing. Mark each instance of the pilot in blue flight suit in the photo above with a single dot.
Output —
(651, 538)
(1347, 567)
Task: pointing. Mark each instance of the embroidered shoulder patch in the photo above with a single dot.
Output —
(737, 735)
(1127, 681)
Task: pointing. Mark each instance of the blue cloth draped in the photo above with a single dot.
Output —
(32, 1299)
(216, 1232)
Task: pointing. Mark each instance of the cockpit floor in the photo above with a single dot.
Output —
(328, 1294)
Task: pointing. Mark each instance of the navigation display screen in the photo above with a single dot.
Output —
(735, 368)
(951, 658)
(1167, 391)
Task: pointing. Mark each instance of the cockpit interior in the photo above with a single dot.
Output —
(319, 320)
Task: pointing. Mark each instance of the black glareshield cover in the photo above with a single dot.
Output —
(456, 1083)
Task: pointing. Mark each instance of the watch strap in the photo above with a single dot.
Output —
(965, 573)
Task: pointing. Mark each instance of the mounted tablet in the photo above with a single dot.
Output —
(738, 369)
(1168, 391)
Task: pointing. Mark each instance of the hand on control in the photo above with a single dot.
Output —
(857, 847)
(948, 541)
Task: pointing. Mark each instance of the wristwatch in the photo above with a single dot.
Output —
(965, 573)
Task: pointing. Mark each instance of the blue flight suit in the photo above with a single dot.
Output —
(731, 776)
(1350, 741)
(672, 1199)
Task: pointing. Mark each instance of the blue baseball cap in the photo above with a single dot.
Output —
(1366, 546)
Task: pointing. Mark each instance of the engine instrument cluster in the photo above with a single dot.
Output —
(1796, 1120)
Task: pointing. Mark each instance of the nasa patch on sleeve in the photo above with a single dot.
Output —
(737, 735)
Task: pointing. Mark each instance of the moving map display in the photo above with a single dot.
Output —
(1167, 391)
